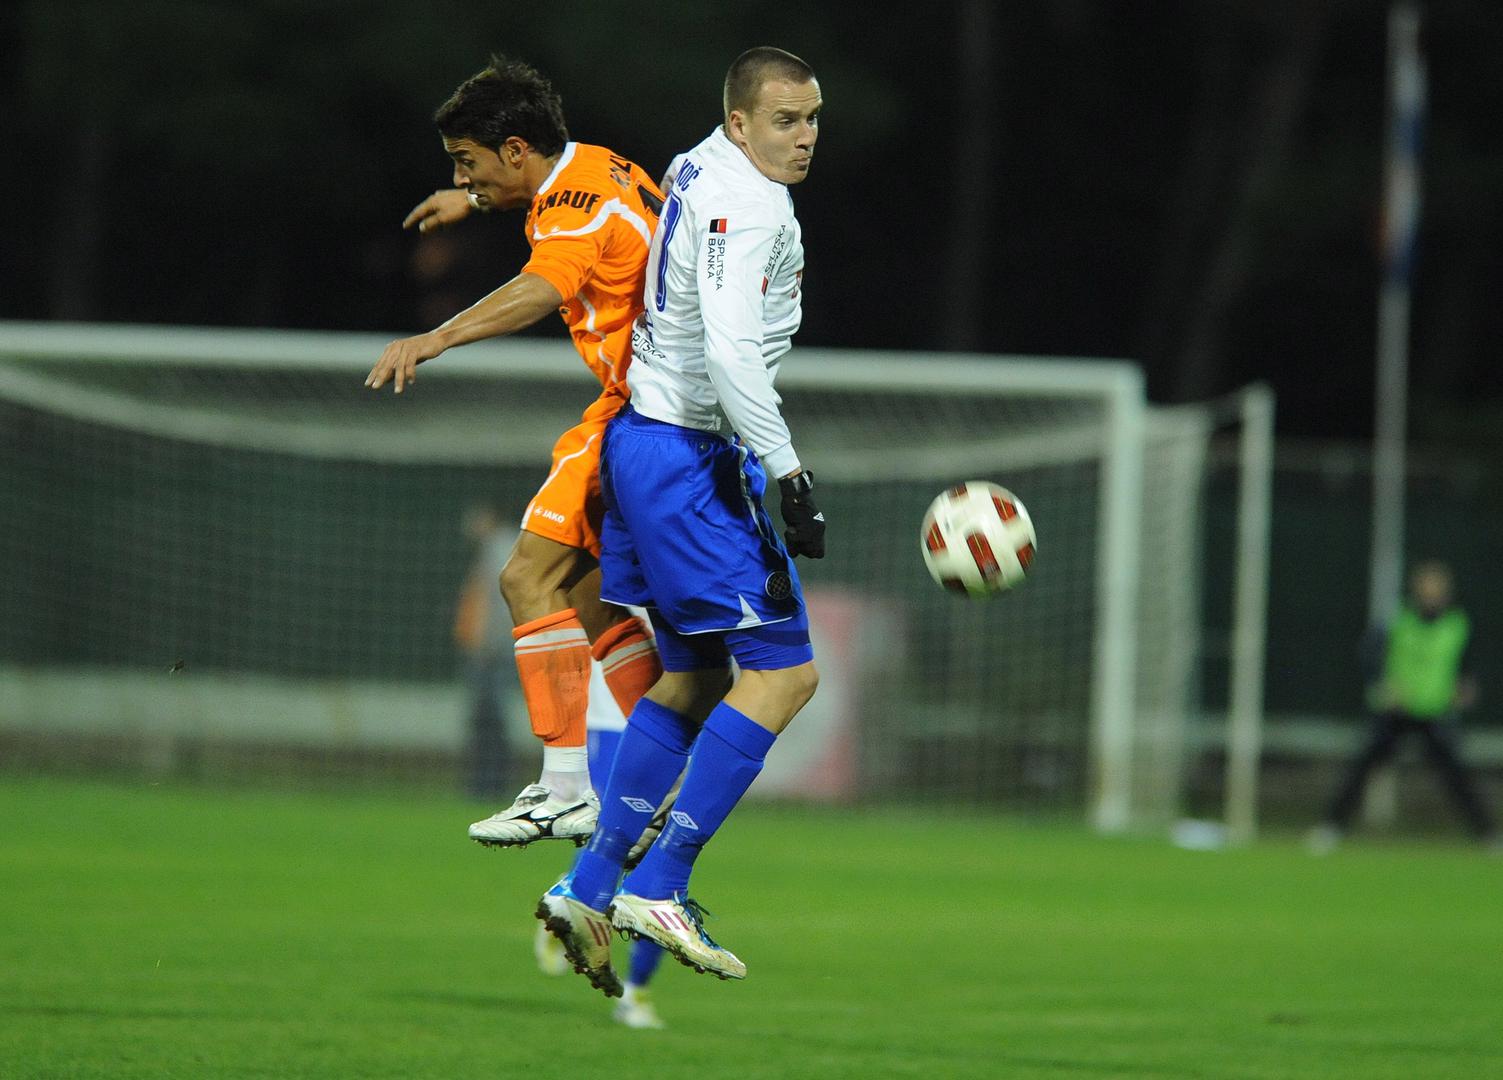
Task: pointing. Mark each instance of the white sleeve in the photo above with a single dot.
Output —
(731, 300)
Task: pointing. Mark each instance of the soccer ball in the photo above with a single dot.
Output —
(977, 539)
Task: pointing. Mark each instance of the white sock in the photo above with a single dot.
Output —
(566, 770)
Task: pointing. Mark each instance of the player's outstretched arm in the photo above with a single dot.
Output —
(519, 303)
(438, 210)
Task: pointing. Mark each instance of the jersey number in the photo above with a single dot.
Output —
(671, 212)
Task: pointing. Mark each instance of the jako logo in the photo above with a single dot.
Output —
(551, 515)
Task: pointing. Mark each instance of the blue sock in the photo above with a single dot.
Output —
(648, 761)
(727, 757)
(644, 961)
(603, 745)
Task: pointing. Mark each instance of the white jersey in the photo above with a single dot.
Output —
(721, 302)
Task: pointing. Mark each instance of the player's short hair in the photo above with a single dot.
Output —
(508, 98)
(756, 66)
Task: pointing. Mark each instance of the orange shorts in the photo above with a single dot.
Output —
(568, 509)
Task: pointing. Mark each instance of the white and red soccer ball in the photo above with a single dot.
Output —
(977, 539)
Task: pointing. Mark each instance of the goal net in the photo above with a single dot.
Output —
(220, 539)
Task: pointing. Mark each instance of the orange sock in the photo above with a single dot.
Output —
(629, 660)
(553, 659)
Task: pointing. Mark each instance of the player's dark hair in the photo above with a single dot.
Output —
(756, 66)
(508, 98)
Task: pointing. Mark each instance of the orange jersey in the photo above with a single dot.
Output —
(589, 227)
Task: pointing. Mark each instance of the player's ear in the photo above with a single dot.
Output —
(512, 151)
(735, 125)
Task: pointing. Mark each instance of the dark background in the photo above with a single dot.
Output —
(1194, 185)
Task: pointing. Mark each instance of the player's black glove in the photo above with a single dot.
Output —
(805, 532)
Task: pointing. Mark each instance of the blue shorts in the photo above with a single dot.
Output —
(686, 536)
(756, 648)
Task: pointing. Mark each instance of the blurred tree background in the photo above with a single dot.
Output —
(1192, 184)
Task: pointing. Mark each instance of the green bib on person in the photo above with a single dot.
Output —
(1423, 665)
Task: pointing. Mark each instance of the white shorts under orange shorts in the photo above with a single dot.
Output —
(568, 509)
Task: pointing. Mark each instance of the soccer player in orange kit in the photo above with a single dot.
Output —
(591, 214)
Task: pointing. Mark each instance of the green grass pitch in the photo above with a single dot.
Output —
(168, 931)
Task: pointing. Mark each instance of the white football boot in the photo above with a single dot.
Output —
(585, 934)
(538, 815)
(678, 926)
(635, 1010)
(548, 951)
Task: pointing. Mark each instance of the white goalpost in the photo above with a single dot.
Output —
(237, 501)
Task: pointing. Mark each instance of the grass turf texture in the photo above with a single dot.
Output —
(178, 932)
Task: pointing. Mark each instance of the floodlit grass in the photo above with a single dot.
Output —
(167, 931)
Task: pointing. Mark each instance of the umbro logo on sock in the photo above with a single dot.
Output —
(641, 806)
(684, 820)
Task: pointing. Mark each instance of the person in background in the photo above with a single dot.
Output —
(1419, 683)
(482, 631)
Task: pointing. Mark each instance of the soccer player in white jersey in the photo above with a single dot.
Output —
(684, 467)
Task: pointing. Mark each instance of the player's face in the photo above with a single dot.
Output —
(779, 133)
(492, 177)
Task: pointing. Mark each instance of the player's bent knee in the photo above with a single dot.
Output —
(803, 681)
(774, 697)
(795, 686)
(518, 585)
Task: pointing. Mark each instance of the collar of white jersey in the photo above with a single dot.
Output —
(563, 161)
(726, 146)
